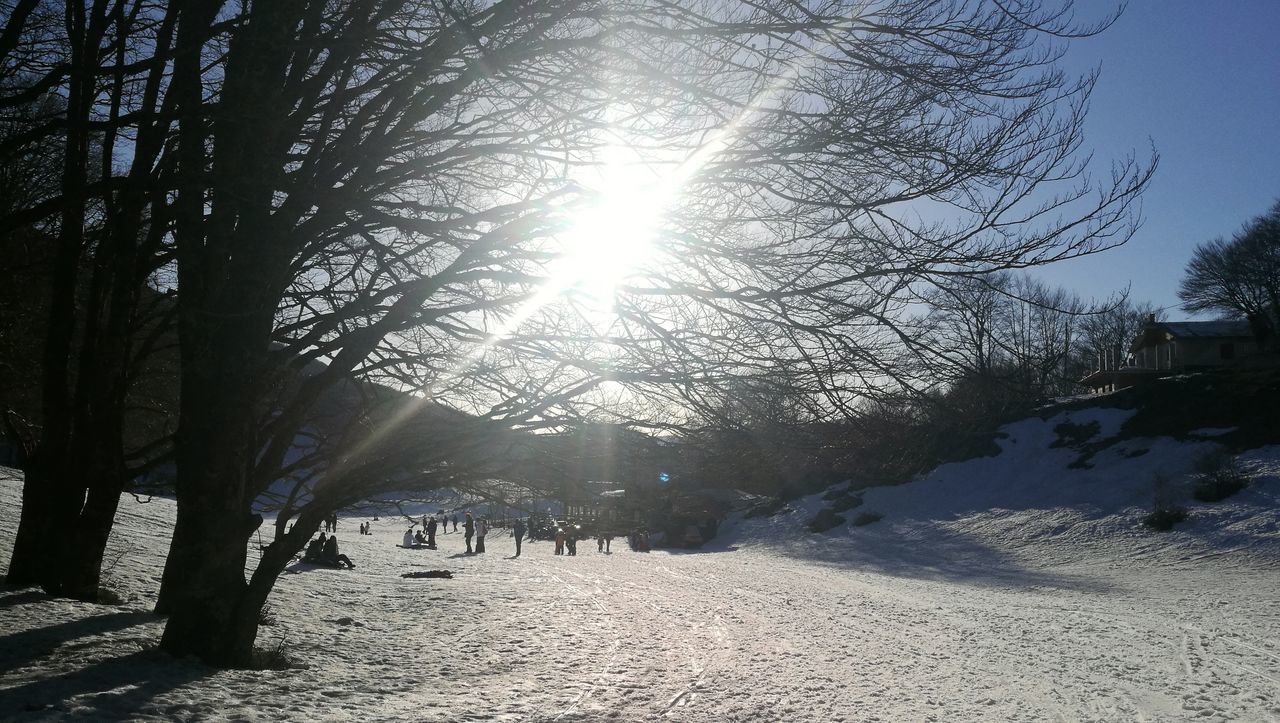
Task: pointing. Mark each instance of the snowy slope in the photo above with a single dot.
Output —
(1029, 501)
(1012, 587)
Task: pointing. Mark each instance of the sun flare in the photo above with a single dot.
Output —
(613, 236)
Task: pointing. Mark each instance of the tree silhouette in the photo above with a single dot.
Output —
(1240, 277)
(386, 190)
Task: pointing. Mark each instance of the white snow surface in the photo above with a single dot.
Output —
(1012, 587)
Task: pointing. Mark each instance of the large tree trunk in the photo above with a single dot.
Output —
(213, 612)
(46, 510)
(50, 487)
(72, 491)
(204, 589)
(232, 269)
(65, 524)
(218, 621)
(79, 574)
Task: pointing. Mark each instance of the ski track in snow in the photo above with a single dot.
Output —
(1053, 606)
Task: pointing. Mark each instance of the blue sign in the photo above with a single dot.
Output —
(664, 478)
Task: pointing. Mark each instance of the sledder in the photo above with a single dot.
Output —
(322, 551)
(415, 541)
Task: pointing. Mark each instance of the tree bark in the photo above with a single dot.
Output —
(51, 487)
(35, 550)
(231, 267)
(72, 491)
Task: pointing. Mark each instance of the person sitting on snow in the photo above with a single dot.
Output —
(408, 538)
(331, 556)
(314, 549)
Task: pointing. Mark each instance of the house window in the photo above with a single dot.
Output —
(1227, 351)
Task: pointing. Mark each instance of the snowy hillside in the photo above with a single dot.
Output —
(1015, 587)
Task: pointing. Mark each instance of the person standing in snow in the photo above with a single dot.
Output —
(455, 523)
(559, 541)
(517, 531)
(482, 529)
(469, 530)
(431, 533)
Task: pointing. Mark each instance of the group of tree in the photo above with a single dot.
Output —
(995, 347)
(1015, 341)
(308, 194)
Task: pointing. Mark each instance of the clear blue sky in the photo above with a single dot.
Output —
(1199, 79)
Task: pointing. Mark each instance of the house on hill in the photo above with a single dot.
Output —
(1179, 347)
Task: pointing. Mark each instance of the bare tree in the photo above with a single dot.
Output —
(964, 320)
(1043, 325)
(387, 186)
(1006, 336)
(91, 77)
(1240, 277)
(1107, 333)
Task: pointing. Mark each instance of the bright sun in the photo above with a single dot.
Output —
(614, 236)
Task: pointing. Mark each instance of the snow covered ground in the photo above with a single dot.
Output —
(1005, 588)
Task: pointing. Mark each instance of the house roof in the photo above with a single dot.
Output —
(1156, 333)
(1207, 328)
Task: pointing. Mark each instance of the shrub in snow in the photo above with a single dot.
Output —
(1071, 434)
(833, 493)
(1165, 511)
(107, 596)
(825, 520)
(867, 518)
(847, 502)
(1219, 477)
(275, 658)
(1163, 520)
(790, 492)
(767, 509)
(267, 616)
